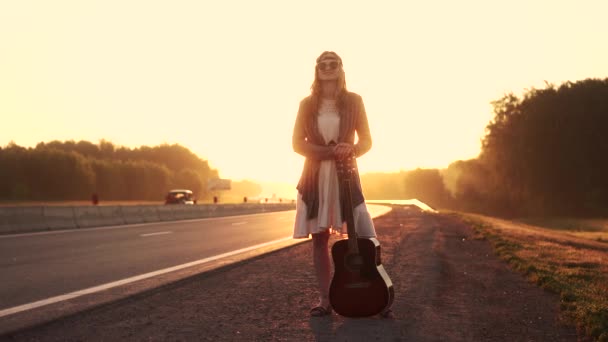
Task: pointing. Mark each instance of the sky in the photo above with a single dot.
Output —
(224, 78)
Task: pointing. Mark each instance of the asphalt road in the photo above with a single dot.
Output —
(42, 265)
(38, 266)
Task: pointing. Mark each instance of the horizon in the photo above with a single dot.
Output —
(225, 81)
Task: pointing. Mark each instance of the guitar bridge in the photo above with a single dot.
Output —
(359, 285)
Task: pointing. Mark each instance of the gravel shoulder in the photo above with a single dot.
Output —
(449, 286)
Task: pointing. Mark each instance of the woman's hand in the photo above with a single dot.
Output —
(343, 150)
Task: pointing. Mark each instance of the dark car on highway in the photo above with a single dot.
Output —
(180, 196)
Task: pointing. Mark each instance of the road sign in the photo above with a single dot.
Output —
(219, 184)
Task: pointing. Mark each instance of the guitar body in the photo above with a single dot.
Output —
(360, 286)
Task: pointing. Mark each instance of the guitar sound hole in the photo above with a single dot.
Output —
(354, 262)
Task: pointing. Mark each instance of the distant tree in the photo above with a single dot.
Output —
(109, 182)
(548, 149)
(188, 179)
(13, 183)
(106, 149)
(74, 170)
(472, 187)
(427, 186)
(55, 174)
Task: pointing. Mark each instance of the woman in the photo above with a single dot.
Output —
(324, 131)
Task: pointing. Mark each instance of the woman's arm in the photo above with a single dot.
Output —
(364, 136)
(301, 142)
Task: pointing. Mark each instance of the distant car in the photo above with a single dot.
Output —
(180, 196)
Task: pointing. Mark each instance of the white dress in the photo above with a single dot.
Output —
(329, 216)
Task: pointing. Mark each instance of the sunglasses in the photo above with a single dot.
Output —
(324, 66)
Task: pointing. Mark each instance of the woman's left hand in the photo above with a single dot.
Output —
(343, 150)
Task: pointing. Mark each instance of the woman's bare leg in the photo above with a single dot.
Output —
(322, 262)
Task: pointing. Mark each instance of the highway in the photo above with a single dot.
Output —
(37, 266)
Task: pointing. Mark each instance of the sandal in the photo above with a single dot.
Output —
(388, 313)
(319, 311)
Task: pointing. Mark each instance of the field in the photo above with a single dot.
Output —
(562, 255)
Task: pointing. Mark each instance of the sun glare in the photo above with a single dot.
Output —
(226, 83)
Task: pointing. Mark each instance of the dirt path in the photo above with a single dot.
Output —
(449, 287)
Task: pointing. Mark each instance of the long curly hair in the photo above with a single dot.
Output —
(315, 88)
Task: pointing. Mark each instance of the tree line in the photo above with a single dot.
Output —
(542, 154)
(72, 170)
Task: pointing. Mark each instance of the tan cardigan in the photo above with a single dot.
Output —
(307, 141)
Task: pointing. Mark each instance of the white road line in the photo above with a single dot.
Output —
(60, 298)
(158, 233)
(239, 223)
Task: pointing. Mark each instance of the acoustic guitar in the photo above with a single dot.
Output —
(360, 286)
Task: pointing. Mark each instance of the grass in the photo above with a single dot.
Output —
(594, 229)
(565, 256)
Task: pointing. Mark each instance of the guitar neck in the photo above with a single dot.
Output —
(353, 246)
